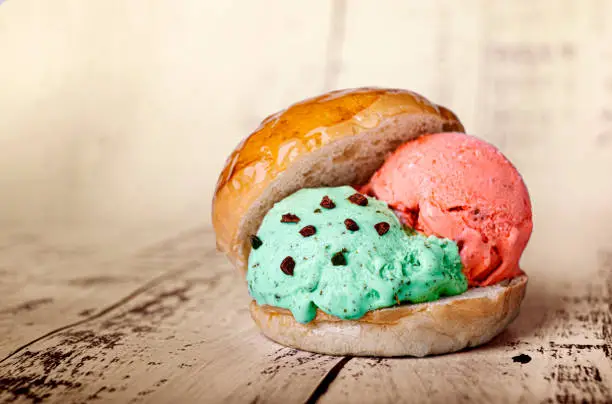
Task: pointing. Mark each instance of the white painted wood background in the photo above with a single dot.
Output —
(116, 116)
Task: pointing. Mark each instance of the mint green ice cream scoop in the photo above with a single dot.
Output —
(346, 254)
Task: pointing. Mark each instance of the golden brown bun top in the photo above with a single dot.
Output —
(303, 128)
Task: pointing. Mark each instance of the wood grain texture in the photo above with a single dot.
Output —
(49, 283)
(175, 337)
(558, 351)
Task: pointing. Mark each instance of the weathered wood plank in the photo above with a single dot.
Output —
(558, 350)
(188, 337)
(180, 340)
(49, 283)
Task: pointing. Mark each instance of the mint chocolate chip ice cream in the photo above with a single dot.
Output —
(346, 254)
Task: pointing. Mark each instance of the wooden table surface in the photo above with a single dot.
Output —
(168, 322)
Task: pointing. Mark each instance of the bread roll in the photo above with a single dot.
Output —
(446, 325)
(342, 138)
(338, 138)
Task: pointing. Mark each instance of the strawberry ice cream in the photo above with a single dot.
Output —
(456, 186)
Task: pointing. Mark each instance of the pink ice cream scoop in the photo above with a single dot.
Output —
(456, 186)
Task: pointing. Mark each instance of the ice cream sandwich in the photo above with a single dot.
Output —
(367, 223)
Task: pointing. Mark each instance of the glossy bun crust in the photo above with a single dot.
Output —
(334, 139)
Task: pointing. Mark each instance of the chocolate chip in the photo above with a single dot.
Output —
(308, 231)
(255, 241)
(338, 259)
(382, 228)
(351, 225)
(289, 218)
(522, 359)
(287, 266)
(317, 210)
(327, 203)
(358, 199)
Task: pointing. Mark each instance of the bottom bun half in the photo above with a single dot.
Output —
(446, 325)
